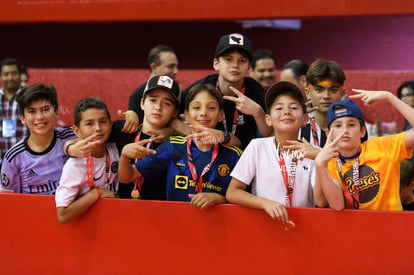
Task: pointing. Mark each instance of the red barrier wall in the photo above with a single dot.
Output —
(144, 10)
(149, 237)
(115, 86)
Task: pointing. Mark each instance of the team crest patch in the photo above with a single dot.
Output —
(165, 81)
(223, 170)
(181, 182)
(5, 181)
(236, 39)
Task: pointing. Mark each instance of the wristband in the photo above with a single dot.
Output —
(67, 149)
(227, 138)
(99, 192)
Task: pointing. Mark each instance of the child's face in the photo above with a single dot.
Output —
(204, 110)
(159, 108)
(324, 94)
(286, 115)
(94, 121)
(353, 132)
(40, 117)
(232, 66)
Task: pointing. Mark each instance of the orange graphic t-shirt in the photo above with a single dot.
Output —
(379, 172)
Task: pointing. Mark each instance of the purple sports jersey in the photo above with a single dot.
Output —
(26, 171)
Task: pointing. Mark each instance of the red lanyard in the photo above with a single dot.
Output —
(236, 117)
(288, 177)
(89, 170)
(136, 191)
(352, 197)
(199, 180)
(314, 131)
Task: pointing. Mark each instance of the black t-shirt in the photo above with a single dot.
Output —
(246, 131)
(134, 103)
(151, 190)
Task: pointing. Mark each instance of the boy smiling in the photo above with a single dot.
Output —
(34, 164)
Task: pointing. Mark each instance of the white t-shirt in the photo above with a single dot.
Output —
(74, 180)
(259, 166)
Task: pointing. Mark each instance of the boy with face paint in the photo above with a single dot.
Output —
(358, 174)
(325, 85)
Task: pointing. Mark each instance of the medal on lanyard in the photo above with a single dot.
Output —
(288, 177)
(136, 191)
(238, 118)
(89, 170)
(351, 196)
(193, 170)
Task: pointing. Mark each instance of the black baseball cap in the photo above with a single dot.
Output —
(284, 87)
(166, 83)
(234, 40)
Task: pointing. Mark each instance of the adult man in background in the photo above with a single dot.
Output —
(263, 68)
(295, 72)
(162, 60)
(11, 128)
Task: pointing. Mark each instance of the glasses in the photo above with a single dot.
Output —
(407, 95)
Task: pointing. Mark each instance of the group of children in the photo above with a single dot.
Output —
(313, 158)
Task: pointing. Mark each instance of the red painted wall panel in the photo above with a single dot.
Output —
(149, 237)
(144, 10)
(115, 86)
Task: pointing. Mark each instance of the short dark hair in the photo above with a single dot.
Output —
(87, 103)
(36, 92)
(201, 88)
(154, 54)
(23, 70)
(407, 84)
(298, 67)
(406, 172)
(262, 54)
(9, 62)
(323, 69)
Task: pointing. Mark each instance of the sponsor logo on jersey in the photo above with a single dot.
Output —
(32, 173)
(223, 169)
(181, 182)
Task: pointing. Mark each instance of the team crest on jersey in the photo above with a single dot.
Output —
(181, 182)
(223, 169)
(5, 181)
(369, 183)
(114, 167)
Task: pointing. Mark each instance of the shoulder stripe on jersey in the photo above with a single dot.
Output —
(14, 151)
(235, 149)
(65, 133)
(178, 139)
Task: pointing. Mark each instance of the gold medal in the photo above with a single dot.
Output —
(135, 194)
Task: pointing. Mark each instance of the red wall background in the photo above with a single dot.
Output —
(149, 237)
(115, 86)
